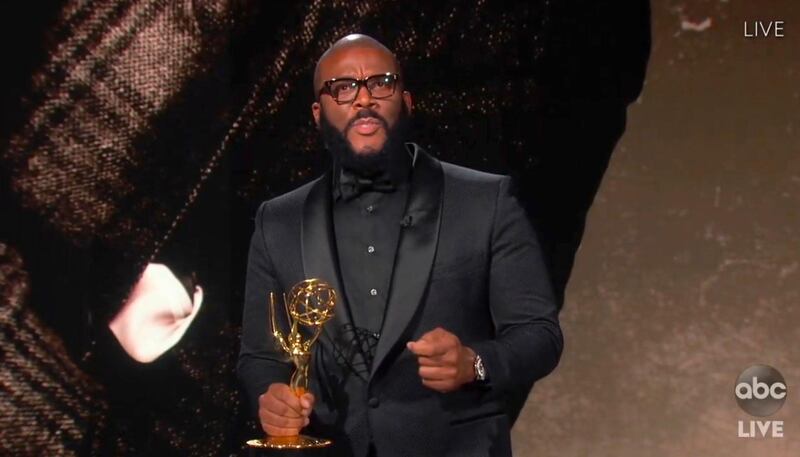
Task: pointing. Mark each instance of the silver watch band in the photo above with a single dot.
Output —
(480, 370)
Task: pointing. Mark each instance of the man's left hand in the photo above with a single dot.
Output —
(444, 363)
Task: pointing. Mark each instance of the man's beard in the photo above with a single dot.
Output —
(371, 163)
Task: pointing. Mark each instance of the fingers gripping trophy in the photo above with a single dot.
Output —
(308, 306)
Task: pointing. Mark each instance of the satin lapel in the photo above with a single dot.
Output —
(415, 253)
(319, 253)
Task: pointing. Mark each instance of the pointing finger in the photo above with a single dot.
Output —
(424, 348)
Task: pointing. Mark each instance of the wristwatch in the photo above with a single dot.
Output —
(480, 370)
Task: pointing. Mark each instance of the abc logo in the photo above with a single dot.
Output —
(760, 390)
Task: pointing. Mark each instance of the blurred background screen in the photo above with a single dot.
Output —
(139, 136)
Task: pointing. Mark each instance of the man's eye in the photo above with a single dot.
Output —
(377, 84)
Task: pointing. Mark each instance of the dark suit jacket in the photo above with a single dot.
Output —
(468, 261)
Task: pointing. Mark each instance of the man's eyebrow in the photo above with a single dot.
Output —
(342, 76)
(356, 76)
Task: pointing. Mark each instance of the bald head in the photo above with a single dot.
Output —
(352, 41)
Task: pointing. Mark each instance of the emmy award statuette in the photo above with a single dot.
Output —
(309, 305)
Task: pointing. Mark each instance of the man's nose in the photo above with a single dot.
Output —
(363, 98)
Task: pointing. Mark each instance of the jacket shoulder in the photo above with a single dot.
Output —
(457, 174)
(290, 201)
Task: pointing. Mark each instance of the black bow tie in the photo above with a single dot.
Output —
(351, 185)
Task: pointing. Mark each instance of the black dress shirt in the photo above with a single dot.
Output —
(367, 229)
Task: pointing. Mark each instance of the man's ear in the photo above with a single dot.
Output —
(315, 112)
(408, 101)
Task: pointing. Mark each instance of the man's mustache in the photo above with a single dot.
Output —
(366, 112)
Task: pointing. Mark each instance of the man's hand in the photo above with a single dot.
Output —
(444, 363)
(281, 412)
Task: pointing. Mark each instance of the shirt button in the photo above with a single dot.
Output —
(373, 292)
(373, 402)
(370, 208)
(371, 249)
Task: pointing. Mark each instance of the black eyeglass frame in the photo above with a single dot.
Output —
(360, 82)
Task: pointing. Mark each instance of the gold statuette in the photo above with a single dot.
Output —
(309, 305)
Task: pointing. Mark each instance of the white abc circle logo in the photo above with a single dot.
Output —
(760, 390)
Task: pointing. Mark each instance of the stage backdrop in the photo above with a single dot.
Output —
(139, 136)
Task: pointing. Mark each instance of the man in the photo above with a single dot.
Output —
(445, 315)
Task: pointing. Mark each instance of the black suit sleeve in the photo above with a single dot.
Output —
(528, 340)
(261, 363)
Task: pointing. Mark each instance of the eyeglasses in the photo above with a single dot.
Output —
(345, 90)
